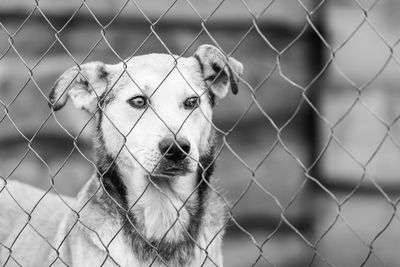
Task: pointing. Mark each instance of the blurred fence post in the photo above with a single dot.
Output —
(318, 65)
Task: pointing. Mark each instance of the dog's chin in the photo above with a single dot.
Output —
(171, 174)
(170, 170)
(167, 178)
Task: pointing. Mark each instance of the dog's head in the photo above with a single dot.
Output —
(155, 111)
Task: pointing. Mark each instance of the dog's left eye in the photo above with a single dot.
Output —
(138, 102)
(192, 102)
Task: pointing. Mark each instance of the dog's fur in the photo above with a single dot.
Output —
(139, 208)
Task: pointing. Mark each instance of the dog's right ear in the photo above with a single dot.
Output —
(84, 85)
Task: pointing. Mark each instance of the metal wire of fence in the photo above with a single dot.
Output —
(308, 109)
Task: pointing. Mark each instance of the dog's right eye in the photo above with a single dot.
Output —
(138, 102)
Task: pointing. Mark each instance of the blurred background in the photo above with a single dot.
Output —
(311, 162)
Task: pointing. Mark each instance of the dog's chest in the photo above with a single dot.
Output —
(120, 254)
(118, 239)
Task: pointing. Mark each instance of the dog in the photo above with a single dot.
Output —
(151, 200)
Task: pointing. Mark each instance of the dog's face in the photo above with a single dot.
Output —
(155, 112)
(163, 112)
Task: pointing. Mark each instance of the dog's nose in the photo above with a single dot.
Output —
(174, 149)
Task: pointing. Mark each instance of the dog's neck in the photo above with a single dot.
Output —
(162, 206)
(160, 221)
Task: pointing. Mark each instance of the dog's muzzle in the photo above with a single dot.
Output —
(174, 157)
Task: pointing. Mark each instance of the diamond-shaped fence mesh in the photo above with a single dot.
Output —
(304, 160)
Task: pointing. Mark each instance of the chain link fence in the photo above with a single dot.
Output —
(308, 151)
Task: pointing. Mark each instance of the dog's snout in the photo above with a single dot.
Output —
(174, 149)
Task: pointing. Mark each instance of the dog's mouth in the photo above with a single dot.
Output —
(168, 170)
(169, 173)
(164, 178)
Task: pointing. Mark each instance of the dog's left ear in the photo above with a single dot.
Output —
(84, 85)
(220, 72)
